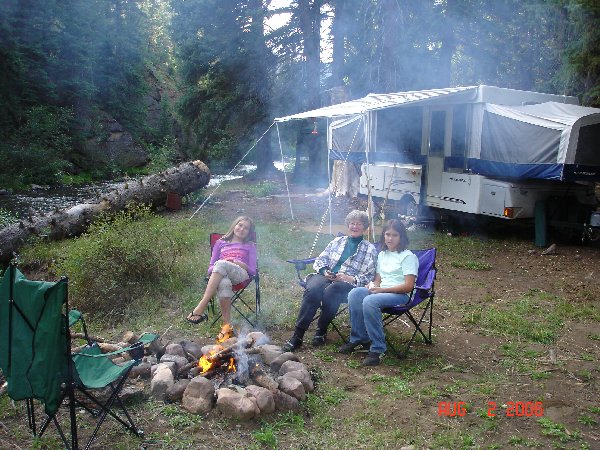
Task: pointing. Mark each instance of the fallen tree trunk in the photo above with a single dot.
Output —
(182, 179)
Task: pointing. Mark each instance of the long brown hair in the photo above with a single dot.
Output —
(251, 234)
(399, 227)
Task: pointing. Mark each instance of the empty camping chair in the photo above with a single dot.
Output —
(419, 310)
(35, 356)
(249, 310)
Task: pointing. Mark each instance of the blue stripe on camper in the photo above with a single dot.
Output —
(516, 171)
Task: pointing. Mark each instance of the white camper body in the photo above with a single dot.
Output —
(464, 192)
(479, 150)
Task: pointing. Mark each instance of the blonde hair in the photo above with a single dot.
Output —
(251, 234)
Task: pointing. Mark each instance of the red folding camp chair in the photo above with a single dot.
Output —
(419, 310)
(238, 289)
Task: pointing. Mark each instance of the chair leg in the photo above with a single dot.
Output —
(418, 329)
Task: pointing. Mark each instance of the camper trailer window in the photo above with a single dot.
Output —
(437, 132)
(459, 131)
(587, 145)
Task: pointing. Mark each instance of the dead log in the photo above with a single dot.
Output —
(182, 179)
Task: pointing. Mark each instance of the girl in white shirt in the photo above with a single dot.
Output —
(397, 269)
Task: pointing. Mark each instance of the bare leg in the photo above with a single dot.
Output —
(211, 290)
(225, 304)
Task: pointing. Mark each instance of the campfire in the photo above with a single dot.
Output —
(241, 377)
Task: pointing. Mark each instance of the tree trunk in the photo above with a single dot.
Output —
(153, 189)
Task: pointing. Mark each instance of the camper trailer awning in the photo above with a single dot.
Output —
(373, 102)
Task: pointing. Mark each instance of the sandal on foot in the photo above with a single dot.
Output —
(196, 318)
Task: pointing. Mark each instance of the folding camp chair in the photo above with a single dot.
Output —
(238, 290)
(420, 305)
(35, 356)
(301, 266)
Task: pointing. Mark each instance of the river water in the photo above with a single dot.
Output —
(45, 199)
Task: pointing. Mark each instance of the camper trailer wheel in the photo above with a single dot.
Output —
(408, 207)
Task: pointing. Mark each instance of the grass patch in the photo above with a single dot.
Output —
(533, 317)
(263, 189)
(557, 431)
(267, 435)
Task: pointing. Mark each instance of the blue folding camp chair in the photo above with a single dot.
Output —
(419, 310)
(301, 265)
(244, 308)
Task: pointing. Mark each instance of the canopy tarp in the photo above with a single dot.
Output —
(545, 141)
(374, 102)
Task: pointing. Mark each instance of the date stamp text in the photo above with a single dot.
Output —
(510, 409)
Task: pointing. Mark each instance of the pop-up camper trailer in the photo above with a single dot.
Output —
(479, 150)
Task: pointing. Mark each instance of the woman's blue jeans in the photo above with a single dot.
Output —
(366, 317)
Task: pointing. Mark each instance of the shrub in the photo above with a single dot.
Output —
(118, 260)
(6, 218)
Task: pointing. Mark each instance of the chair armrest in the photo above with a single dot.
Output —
(301, 263)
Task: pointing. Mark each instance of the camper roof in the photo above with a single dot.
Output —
(467, 94)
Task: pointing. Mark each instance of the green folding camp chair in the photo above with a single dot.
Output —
(35, 357)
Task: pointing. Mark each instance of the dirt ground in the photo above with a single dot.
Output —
(564, 375)
(397, 404)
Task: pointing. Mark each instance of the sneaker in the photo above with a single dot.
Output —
(319, 339)
(372, 359)
(292, 344)
(350, 347)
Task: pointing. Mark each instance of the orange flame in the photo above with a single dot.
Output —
(226, 333)
(231, 367)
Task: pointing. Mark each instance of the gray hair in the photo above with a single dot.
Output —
(355, 215)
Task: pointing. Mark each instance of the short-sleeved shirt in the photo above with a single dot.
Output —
(393, 266)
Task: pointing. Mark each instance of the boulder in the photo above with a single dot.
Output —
(258, 338)
(175, 349)
(179, 361)
(292, 386)
(264, 398)
(198, 397)
(175, 392)
(285, 402)
(290, 366)
(270, 353)
(303, 377)
(278, 362)
(162, 380)
(142, 370)
(237, 405)
(191, 349)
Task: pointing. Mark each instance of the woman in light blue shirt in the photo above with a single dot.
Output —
(395, 278)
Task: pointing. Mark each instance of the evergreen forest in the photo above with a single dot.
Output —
(91, 89)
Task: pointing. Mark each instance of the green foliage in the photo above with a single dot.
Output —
(36, 152)
(557, 430)
(162, 156)
(6, 218)
(533, 317)
(122, 257)
(263, 189)
(219, 43)
(267, 434)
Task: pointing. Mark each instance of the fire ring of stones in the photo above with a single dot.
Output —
(242, 377)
